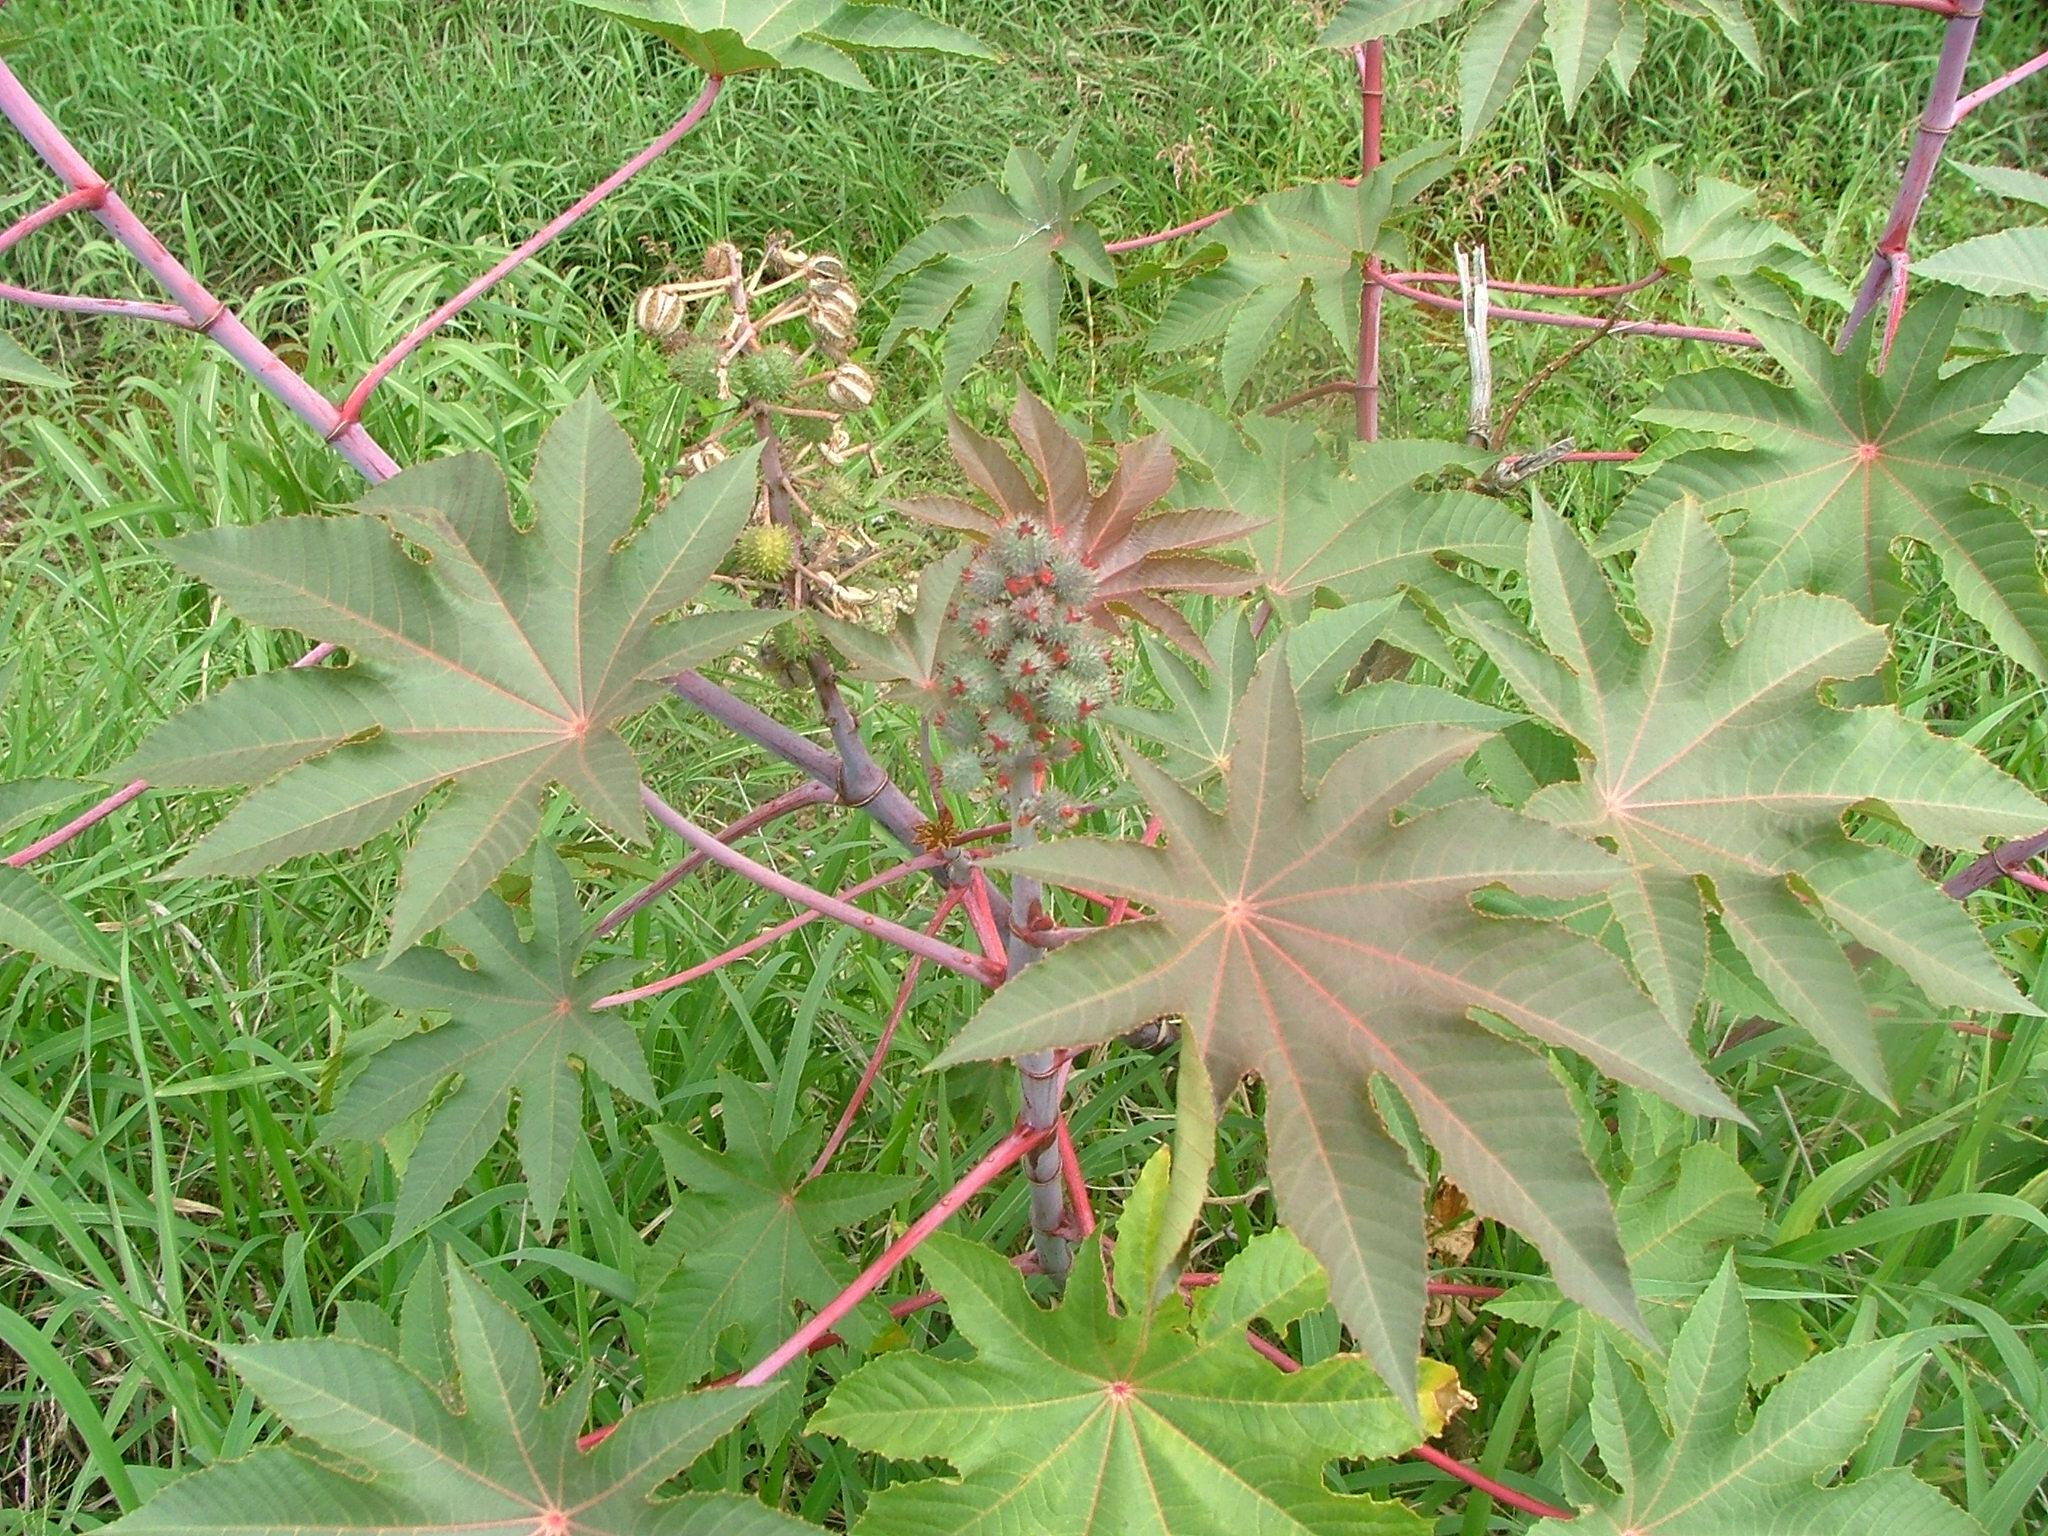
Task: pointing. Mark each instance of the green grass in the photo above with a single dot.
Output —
(337, 167)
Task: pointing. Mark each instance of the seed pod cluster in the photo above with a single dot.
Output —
(1024, 665)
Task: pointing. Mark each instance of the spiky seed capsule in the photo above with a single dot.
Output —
(693, 364)
(765, 552)
(837, 494)
(963, 772)
(807, 429)
(769, 374)
(850, 387)
(702, 457)
(785, 649)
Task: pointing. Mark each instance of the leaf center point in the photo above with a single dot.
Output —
(1868, 453)
(553, 1522)
(1119, 1391)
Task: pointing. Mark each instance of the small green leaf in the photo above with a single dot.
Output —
(1361, 21)
(2001, 265)
(1498, 47)
(2026, 408)
(379, 1451)
(1703, 1475)
(517, 1025)
(753, 1242)
(909, 653)
(34, 920)
(1153, 1423)
(731, 37)
(2001, 181)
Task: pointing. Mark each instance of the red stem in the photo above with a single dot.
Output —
(762, 939)
(1019, 1143)
(1602, 456)
(1938, 7)
(881, 1050)
(2005, 82)
(809, 793)
(1887, 261)
(50, 213)
(113, 309)
(1547, 290)
(538, 241)
(1372, 96)
(1077, 1186)
(1160, 237)
(76, 825)
(1580, 322)
(951, 956)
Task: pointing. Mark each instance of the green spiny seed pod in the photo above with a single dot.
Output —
(984, 581)
(963, 772)
(978, 684)
(693, 364)
(769, 374)
(838, 495)
(765, 552)
(1067, 699)
(785, 649)
(1026, 663)
(1006, 732)
(806, 429)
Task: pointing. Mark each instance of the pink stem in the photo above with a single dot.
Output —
(1078, 1198)
(540, 240)
(1372, 97)
(1887, 267)
(1487, 1485)
(76, 825)
(1939, 7)
(1160, 237)
(1470, 1292)
(85, 304)
(1581, 322)
(1021, 1142)
(206, 314)
(1547, 290)
(881, 1050)
(2005, 82)
(762, 939)
(50, 213)
(951, 956)
(1603, 456)
(981, 914)
(811, 792)
(2028, 878)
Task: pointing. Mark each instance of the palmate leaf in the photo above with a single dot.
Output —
(1711, 760)
(1841, 463)
(1319, 942)
(1686, 1470)
(1298, 246)
(908, 653)
(1581, 35)
(1713, 233)
(384, 1454)
(1351, 527)
(995, 239)
(2002, 264)
(517, 1024)
(2026, 408)
(752, 1240)
(1160, 1422)
(1194, 728)
(503, 664)
(732, 37)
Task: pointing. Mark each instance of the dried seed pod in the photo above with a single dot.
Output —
(850, 387)
(831, 329)
(827, 266)
(782, 255)
(838, 449)
(722, 260)
(834, 293)
(702, 457)
(663, 311)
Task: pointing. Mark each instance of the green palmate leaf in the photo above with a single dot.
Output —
(1678, 1213)
(1498, 46)
(2001, 181)
(752, 1245)
(1840, 464)
(731, 37)
(379, 1449)
(1718, 773)
(502, 664)
(517, 1025)
(18, 367)
(994, 240)
(1355, 527)
(1194, 727)
(1323, 944)
(909, 653)
(1713, 233)
(40, 923)
(1686, 1468)
(1301, 246)
(1360, 21)
(1160, 1422)
(2001, 265)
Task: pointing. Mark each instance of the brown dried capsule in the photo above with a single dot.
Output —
(850, 387)
(701, 458)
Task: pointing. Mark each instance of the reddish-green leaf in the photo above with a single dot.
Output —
(504, 663)
(381, 1451)
(1711, 760)
(1840, 463)
(1318, 938)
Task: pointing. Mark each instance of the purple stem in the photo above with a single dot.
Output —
(1580, 322)
(1372, 97)
(540, 240)
(951, 956)
(1888, 261)
(49, 213)
(2000, 86)
(810, 792)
